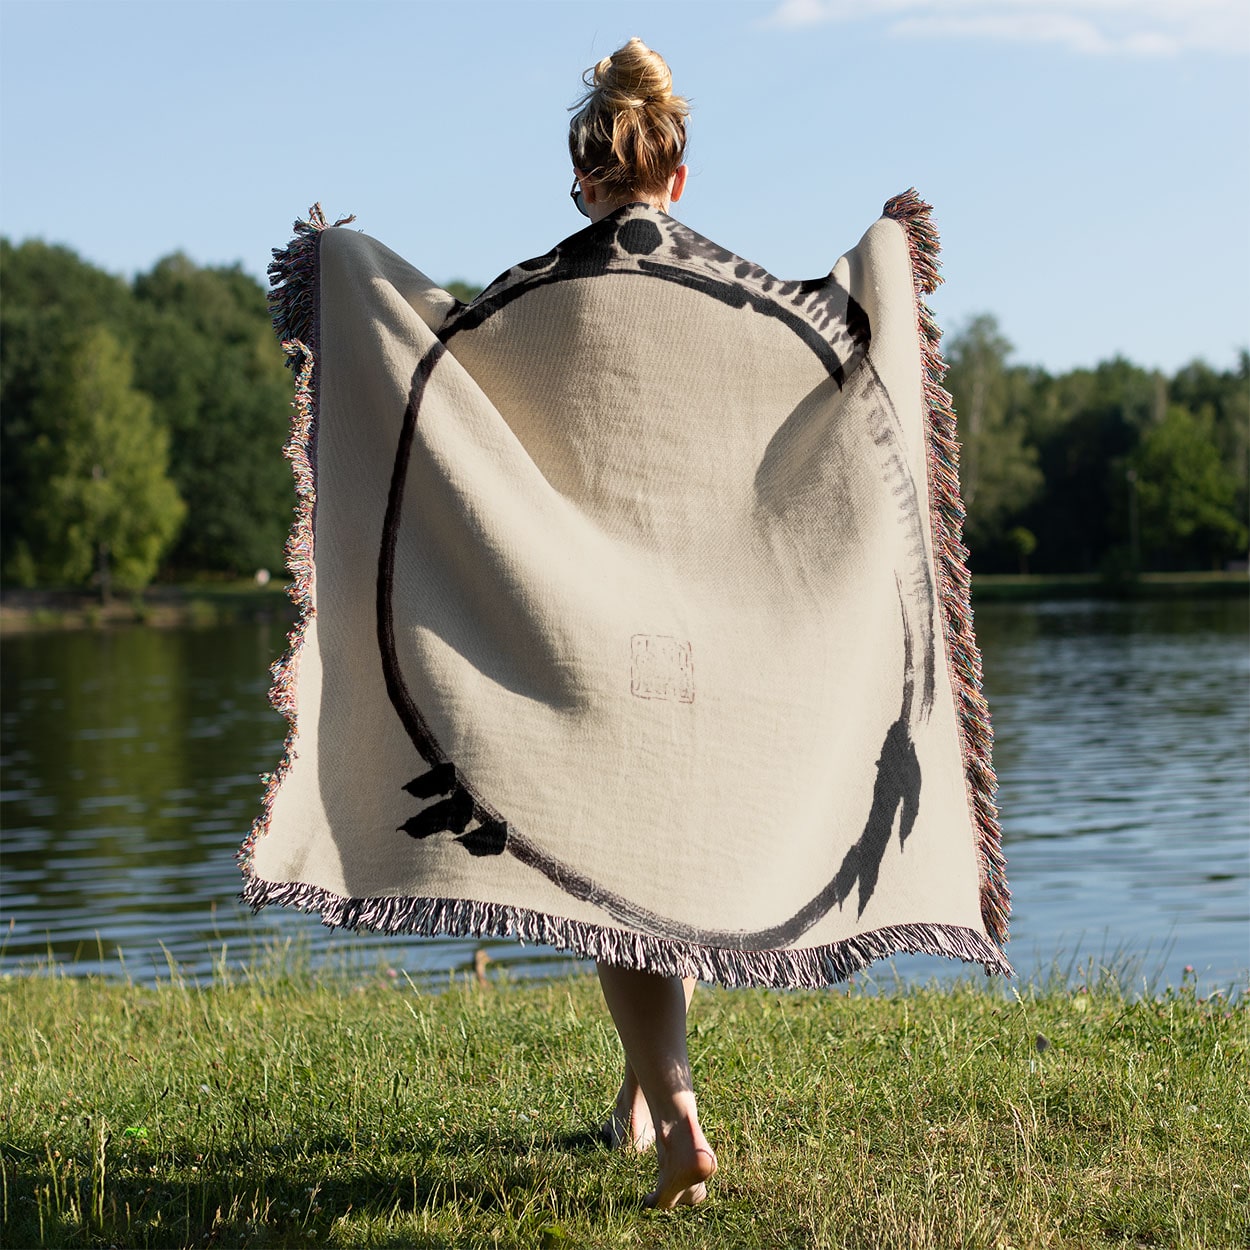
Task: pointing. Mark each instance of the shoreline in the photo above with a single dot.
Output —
(174, 606)
(1032, 588)
(204, 604)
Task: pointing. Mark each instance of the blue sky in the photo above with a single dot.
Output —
(1089, 160)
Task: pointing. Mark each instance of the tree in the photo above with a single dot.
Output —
(465, 292)
(997, 467)
(1024, 543)
(51, 297)
(1187, 493)
(1223, 400)
(107, 509)
(208, 357)
(1087, 424)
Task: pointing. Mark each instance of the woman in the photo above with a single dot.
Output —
(635, 620)
(628, 142)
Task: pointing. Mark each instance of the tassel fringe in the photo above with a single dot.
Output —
(807, 968)
(294, 305)
(294, 297)
(954, 582)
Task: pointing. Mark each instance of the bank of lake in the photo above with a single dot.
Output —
(225, 602)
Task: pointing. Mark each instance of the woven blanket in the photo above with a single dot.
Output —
(634, 616)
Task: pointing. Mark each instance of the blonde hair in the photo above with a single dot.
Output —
(629, 131)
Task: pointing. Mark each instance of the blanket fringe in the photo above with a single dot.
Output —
(293, 303)
(293, 294)
(954, 581)
(807, 968)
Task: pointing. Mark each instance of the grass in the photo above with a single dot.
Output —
(282, 1108)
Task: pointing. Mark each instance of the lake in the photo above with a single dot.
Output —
(130, 762)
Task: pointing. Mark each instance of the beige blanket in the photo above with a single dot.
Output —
(634, 614)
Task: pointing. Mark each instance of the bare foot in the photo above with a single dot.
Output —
(686, 1165)
(629, 1126)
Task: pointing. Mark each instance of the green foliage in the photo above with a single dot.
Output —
(1222, 402)
(51, 299)
(1083, 512)
(1024, 543)
(107, 508)
(1187, 491)
(204, 355)
(1055, 456)
(208, 357)
(465, 292)
(998, 468)
(282, 1110)
(1051, 456)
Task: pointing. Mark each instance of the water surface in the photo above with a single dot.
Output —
(130, 763)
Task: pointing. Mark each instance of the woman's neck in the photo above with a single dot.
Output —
(605, 208)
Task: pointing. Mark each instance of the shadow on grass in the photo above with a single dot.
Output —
(294, 1194)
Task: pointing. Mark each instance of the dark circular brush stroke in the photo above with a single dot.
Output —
(400, 696)
(584, 255)
(529, 853)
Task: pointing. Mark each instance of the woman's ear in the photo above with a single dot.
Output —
(678, 185)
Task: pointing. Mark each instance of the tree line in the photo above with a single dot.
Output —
(1113, 470)
(141, 424)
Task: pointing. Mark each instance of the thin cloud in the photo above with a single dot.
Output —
(1134, 28)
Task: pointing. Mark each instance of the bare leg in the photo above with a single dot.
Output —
(650, 1015)
(629, 1126)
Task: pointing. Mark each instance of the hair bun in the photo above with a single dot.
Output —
(629, 129)
(633, 77)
